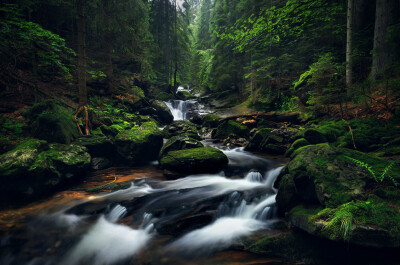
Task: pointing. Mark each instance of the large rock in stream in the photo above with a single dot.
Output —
(230, 129)
(326, 192)
(35, 168)
(159, 111)
(164, 114)
(181, 128)
(266, 141)
(195, 160)
(179, 142)
(140, 144)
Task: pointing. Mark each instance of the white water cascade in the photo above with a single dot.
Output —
(236, 218)
(180, 108)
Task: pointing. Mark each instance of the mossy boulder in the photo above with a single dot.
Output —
(368, 135)
(333, 130)
(35, 168)
(163, 113)
(195, 160)
(97, 145)
(49, 121)
(314, 136)
(230, 129)
(179, 142)
(184, 95)
(181, 128)
(160, 94)
(17, 161)
(295, 145)
(372, 222)
(61, 162)
(140, 144)
(330, 176)
(211, 121)
(265, 141)
(257, 140)
(110, 131)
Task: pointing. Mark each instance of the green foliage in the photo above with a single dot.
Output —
(323, 82)
(96, 74)
(381, 177)
(12, 126)
(372, 212)
(24, 42)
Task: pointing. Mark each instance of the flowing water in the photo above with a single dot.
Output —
(184, 109)
(191, 220)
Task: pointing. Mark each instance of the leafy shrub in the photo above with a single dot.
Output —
(41, 48)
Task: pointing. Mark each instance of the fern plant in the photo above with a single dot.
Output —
(385, 172)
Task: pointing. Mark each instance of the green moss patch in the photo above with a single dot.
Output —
(196, 160)
(230, 129)
(341, 222)
(211, 121)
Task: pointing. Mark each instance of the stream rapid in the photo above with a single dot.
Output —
(192, 220)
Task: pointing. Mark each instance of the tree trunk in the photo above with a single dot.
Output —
(166, 41)
(175, 45)
(385, 15)
(110, 68)
(349, 44)
(81, 54)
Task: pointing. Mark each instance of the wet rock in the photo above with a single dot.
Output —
(18, 161)
(179, 143)
(185, 224)
(286, 197)
(211, 121)
(324, 191)
(34, 168)
(184, 95)
(99, 163)
(324, 174)
(295, 145)
(314, 136)
(266, 141)
(369, 223)
(196, 160)
(196, 119)
(180, 128)
(140, 144)
(162, 112)
(230, 129)
(98, 146)
(49, 121)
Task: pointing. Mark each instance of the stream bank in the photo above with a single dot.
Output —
(231, 208)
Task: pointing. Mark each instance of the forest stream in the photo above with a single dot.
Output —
(197, 219)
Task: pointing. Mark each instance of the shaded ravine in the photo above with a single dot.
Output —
(153, 221)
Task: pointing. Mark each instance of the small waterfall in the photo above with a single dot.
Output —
(255, 177)
(179, 109)
(116, 213)
(236, 218)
